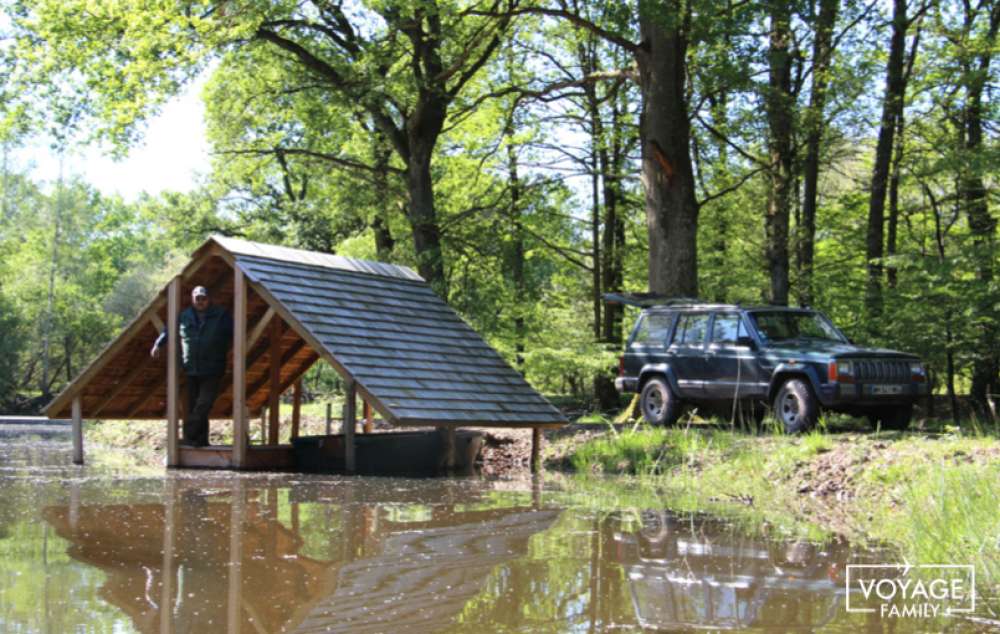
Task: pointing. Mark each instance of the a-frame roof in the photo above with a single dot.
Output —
(412, 356)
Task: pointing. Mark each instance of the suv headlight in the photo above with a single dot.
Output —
(917, 371)
(842, 371)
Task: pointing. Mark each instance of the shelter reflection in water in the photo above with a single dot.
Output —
(231, 558)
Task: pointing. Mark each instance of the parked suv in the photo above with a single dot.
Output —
(794, 359)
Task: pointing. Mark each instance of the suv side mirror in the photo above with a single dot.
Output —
(746, 342)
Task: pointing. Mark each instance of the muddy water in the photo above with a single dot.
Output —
(99, 550)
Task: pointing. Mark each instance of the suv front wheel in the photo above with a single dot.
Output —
(795, 406)
(660, 406)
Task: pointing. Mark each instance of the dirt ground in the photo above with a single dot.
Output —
(505, 452)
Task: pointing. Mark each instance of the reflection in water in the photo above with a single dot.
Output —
(696, 571)
(86, 550)
(223, 561)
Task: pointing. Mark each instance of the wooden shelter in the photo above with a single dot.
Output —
(397, 345)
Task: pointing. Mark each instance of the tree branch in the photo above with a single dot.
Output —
(323, 156)
(573, 18)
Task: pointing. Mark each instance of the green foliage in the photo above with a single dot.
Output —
(11, 348)
(76, 266)
(520, 184)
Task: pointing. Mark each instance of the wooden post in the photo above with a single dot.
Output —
(239, 368)
(296, 407)
(77, 431)
(350, 420)
(173, 403)
(235, 599)
(369, 418)
(449, 447)
(274, 390)
(536, 449)
(329, 418)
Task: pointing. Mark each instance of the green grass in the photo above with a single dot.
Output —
(934, 496)
(647, 450)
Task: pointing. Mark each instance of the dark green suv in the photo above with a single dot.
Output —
(793, 359)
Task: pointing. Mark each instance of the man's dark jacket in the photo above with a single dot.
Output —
(204, 343)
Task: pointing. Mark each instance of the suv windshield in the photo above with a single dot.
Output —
(777, 325)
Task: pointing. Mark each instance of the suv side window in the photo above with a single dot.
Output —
(727, 328)
(654, 329)
(691, 329)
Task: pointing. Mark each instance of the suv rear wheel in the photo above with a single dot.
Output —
(660, 406)
(795, 406)
(895, 418)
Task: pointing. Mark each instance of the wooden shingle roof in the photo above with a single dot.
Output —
(412, 356)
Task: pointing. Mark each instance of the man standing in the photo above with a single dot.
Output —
(206, 331)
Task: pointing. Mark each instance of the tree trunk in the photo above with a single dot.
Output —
(612, 156)
(422, 214)
(891, 238)
(595, 210)
(816, 126)
(667, 174)
(897, 159)
(983, 227)
(384, 242)
(779, 119)
(950, 370)
(517, 253)
(892, 106)
(68, 346)
(587, 57)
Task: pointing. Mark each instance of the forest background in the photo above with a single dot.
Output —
(525, 156)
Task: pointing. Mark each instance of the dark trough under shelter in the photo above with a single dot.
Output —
(396, 345)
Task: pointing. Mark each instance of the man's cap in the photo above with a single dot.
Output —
(199, 291)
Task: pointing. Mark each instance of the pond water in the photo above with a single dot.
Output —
(97, 549)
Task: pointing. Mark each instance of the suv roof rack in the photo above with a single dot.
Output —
(648, 300)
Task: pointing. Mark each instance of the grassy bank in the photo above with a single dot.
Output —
(934, 496)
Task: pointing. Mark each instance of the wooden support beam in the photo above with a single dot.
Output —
(274, 393)
(253, 391)
(536, 449)
(155, 319)
(173, 384)
(258, 328)
(314, 342)
(123, 384)
(239, 368)
(296, 408)
(369, 418)
(77, 409)
(350, 420)
(227, 379)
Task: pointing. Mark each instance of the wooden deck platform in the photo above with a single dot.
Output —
(221, 457)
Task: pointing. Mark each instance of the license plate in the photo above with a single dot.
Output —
(880, 390)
